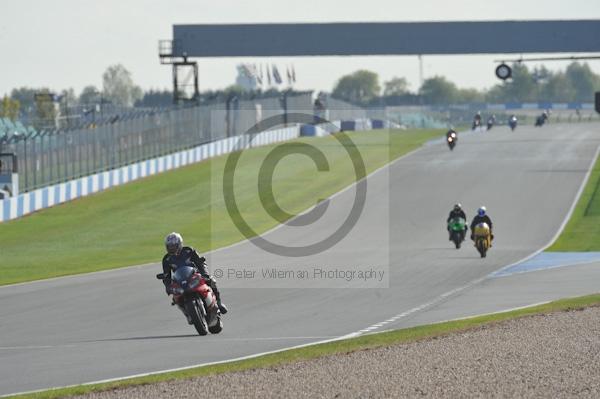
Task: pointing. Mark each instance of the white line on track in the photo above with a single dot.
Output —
(71, 345)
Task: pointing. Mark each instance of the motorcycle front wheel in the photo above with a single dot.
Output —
(482, 248)
(457, 239)
(191, 307)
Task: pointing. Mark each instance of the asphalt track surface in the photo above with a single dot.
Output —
(119, 323)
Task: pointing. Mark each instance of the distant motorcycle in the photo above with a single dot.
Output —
(483, 238)
(457, 231)
(451, 139)
(512, 122)
(476, 124)
(195, 298)
(490, 123)
(540, 120)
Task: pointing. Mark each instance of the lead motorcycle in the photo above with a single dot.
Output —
(195, 298)
(451, 139)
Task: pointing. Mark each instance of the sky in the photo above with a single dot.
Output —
(69, 43)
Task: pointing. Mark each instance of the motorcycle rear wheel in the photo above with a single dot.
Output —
(197, 317)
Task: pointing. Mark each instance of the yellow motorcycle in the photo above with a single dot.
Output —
(483, 238)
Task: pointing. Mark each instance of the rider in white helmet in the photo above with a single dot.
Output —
(178, 255)
(481, 217)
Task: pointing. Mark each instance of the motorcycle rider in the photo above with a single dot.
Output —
(481, 217)
(491, 121)
(477, 120)
(178, 255)
(512, 121)
(449, 134)
(456, 212)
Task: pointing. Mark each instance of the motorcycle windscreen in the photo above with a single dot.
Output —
(183, 273)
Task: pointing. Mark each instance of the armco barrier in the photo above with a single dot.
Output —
(46, 197)
(356, 124)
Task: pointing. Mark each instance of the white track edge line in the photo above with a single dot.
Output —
(343, 337)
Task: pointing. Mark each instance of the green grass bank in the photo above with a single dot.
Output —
(125, 225)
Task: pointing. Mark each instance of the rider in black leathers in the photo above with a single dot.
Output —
(476, 120)
(456, 212)
(178, 255)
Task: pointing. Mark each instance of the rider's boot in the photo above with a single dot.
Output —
(221, 305)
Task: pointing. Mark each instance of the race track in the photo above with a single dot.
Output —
(119, 323)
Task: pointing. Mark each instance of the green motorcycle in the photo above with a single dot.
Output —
(457, 228)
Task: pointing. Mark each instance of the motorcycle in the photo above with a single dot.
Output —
(512, 122)
(540, 120)
(451, 138)
(195, 298)
(490, 124)
(483, 238)
(476, 124)
(457, 230)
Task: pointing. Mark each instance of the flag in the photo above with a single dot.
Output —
(276, 75)
(289, 75)
(246, 71)
(293, 74)
(257, 75)
(269, 75)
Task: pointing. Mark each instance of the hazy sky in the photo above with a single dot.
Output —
(69, 43)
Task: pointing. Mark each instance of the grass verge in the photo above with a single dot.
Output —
(125, 225)
(582, 232)
(338, 347)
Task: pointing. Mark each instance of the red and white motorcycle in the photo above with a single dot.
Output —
(193, 295)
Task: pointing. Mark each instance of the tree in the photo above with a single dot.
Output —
(45, 108)
(118, 86)
(470, 96)
(10, 108)
(89, 95)
(25, 96)
(582, 80)
(395, 87)
(359, 87)
(438, 90)
(557, 89)
(522, 87)
(156, 98)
